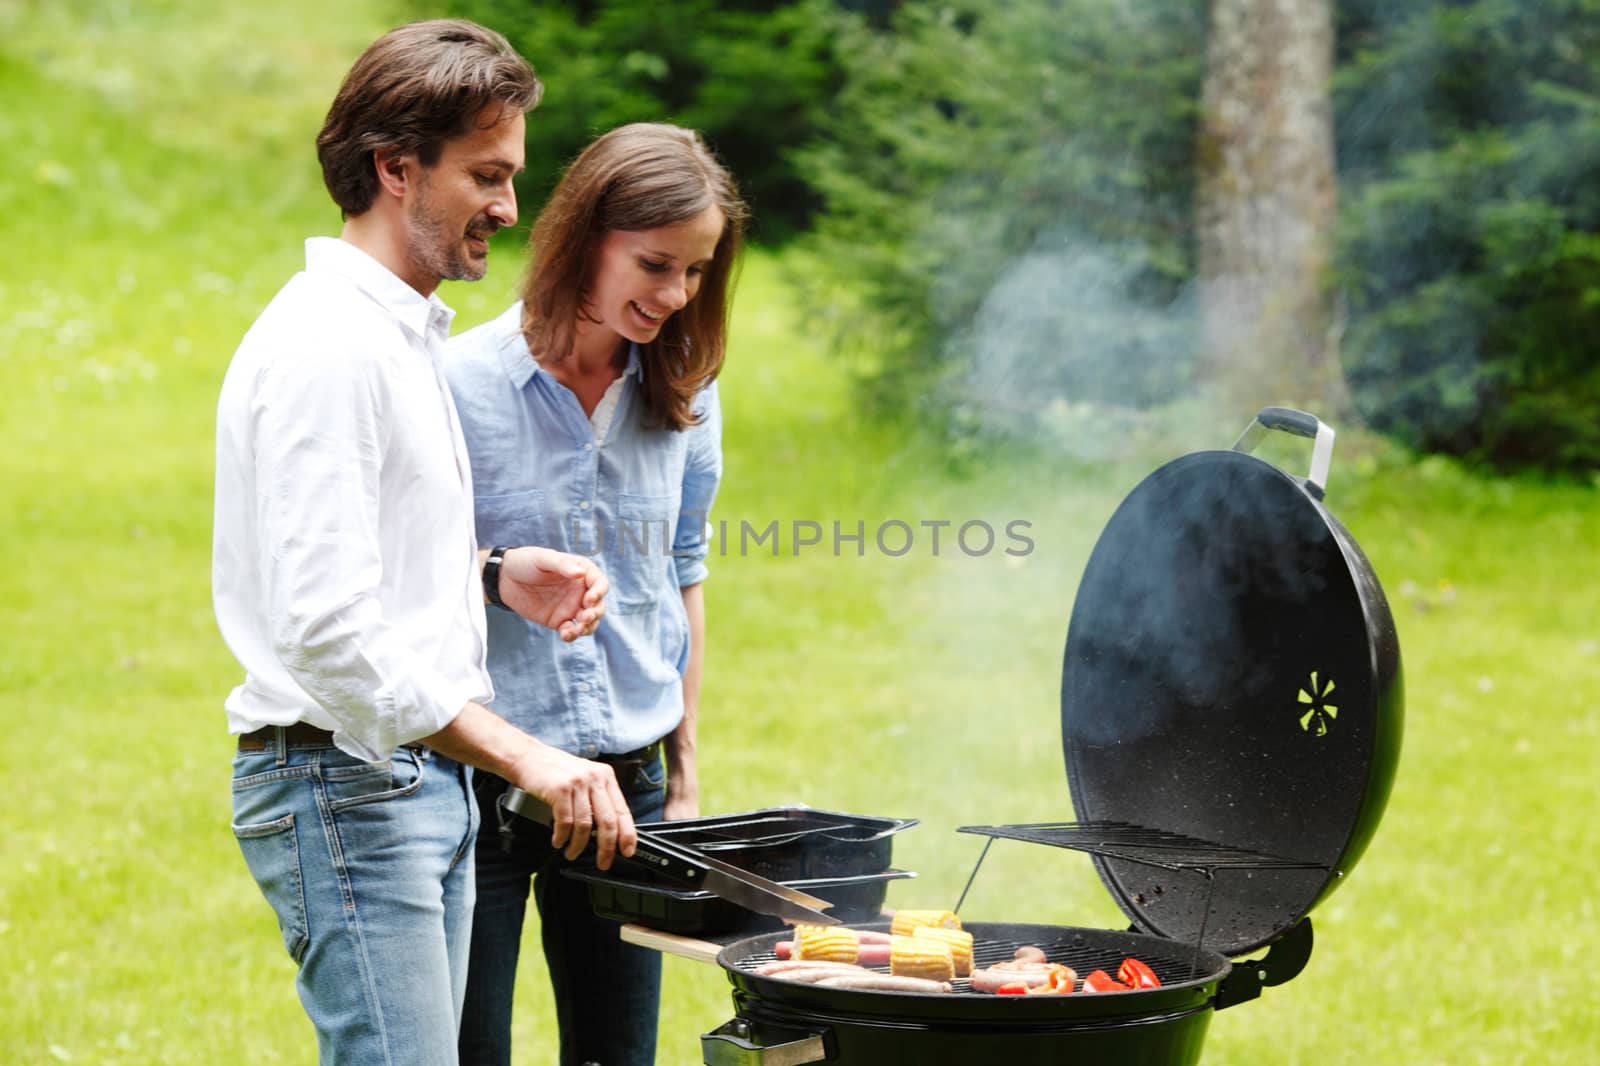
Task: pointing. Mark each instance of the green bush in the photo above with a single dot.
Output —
(754, 76)
(1007, 192)
(1470, 252)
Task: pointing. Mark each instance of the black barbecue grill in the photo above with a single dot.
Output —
(1231, 715)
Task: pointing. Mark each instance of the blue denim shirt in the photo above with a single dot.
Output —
(637, 502)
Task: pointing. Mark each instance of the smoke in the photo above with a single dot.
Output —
(1065, 347)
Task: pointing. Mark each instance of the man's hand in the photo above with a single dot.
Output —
(560, 591)
(583, 796)
(584, 802)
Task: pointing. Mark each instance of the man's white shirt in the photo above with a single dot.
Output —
(344, 565)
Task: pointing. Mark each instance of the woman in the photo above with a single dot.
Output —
(591, 417)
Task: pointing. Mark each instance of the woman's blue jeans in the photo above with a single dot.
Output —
(607, 992)
(368, 867)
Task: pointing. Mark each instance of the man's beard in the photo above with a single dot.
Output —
(439, 251)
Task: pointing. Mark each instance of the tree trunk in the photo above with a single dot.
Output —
(1266, 203)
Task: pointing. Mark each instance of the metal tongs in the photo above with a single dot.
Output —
(693, 867)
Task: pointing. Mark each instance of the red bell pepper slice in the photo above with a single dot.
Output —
(1012, 988)
(1100, 981)
(1135, 974)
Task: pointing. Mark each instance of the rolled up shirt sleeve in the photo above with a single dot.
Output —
(321, 427)
(702, 473)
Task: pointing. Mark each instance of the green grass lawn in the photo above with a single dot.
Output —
(159, 183)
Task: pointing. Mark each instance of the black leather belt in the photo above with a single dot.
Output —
(298, 735)
(630, 764)
(301, 734)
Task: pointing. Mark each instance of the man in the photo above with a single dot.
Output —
(346, 574)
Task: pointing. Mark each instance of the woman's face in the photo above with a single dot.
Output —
(642, 277)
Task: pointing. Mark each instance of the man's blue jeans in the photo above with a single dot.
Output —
(369, 869)
(607, 992)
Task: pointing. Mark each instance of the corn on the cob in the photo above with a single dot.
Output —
(825, 943)
(905, 921)
(958, 940)
(911, 956)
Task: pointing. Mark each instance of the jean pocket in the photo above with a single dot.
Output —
(652, 776)
(360, 784)
(272, 852)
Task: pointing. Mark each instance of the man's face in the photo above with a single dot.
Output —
(464, 197)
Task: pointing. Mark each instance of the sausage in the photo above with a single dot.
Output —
(883, 982)
(789, 967)
(991, 979)
(1019, 966)
(873, 954)
(813, 977)
(1029, 953)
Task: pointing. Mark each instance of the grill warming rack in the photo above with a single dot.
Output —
(1139, 844)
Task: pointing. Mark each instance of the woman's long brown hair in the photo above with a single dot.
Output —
(637, 177)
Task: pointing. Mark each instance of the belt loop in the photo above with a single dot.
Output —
(280, 743)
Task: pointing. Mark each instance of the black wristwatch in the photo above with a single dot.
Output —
(491, 575)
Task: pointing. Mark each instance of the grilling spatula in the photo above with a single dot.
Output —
(693, 867)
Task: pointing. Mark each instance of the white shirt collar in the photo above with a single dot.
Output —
(409, 307)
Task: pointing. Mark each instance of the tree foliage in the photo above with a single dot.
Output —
(1007, 193)
(1469, 139)
(754, 76)
(1003, 194)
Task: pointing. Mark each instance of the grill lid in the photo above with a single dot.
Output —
(1232, 677)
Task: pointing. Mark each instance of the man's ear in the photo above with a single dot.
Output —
(394, 170)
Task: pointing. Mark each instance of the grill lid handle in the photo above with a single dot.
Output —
(1284, 959)
(1301, 424)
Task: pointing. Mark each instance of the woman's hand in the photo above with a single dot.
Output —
(557, 590)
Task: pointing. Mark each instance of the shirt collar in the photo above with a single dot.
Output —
(330, 255)
(519, 363)
(635, 365)
(514, 355)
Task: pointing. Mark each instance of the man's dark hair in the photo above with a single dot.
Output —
(412, 90)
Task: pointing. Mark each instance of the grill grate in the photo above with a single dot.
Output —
(1137, 843)
(1080, 954)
